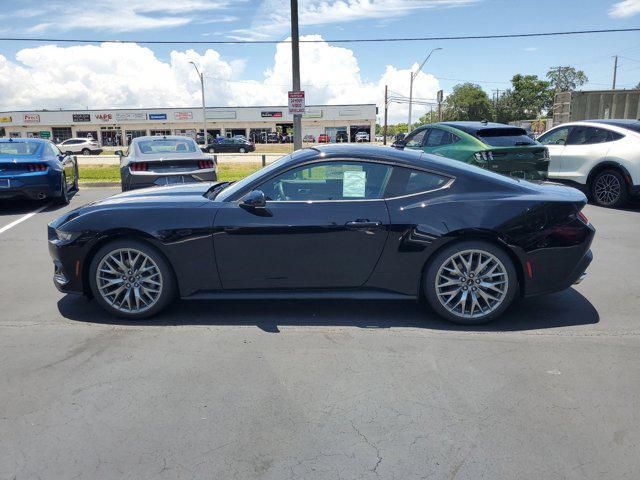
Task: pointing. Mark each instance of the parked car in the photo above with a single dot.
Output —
(354, 213)
(164, 160)
(601, 157)
(36, 169)
(362, 137)
(85, 146)
(324, 138)
(342, 137)
(273, 138)
(235, 144)
(501, 148)
(309, 139)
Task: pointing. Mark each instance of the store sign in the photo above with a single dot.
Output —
(104, 117)
(5, 119)
(130, 116)
(312, 113)
(45, 134)
(157, 116)
(296, 103)
(271, 114)
(31, 118)
(81, 117)
(220, 114)
(350, 112)
(182, 115)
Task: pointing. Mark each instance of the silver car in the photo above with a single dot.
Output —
(164, 160)
(85, 146)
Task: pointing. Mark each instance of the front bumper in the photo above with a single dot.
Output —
(67, 263)
(134, 180)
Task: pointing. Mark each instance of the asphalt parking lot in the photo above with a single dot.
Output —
(318, 389)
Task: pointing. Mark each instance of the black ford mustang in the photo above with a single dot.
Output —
(335, 221)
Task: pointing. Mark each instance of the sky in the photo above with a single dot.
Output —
(115, 75)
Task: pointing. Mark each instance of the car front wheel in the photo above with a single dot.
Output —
(242, 150)
(86, 151)
(212, 150)
(131, 279)
(471, 282)
(609, 189)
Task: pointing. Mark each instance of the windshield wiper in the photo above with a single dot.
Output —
(216, 189)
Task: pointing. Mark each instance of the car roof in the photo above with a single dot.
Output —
(629, 124)
(474, 127)
(23, 140)
(162, 137)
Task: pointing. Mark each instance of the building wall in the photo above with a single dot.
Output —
(316, 120)
(599, 104)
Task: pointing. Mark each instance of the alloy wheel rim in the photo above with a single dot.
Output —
(129, 280)
(472, 283)
(607, 189)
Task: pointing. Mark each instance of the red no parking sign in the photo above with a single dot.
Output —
(296, 102)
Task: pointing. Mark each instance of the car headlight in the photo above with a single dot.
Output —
(62, 236)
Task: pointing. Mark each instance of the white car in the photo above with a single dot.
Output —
(85, 146)
(601, 157)
(362, 137)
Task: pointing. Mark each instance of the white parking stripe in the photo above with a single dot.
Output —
(22, 219)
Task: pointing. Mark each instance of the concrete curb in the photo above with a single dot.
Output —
(98, 184)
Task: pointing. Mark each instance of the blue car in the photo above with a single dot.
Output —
(35, 168)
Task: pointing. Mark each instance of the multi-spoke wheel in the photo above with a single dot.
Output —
(609, 189)
(470, 282)
(130, 279)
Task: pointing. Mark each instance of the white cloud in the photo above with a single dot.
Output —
(272, 17)
(626, 8)
(120, 15)
(114, 75)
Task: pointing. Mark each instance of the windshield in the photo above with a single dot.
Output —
(19, 148)
(241, 184)
(505, 137)
(163, 145)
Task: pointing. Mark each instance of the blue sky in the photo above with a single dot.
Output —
(491, 63)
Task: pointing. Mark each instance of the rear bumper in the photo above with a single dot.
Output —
(132, 181)
(33, 186)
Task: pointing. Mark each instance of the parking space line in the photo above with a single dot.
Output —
(22, 219)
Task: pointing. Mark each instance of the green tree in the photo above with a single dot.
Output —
(467, 101)
(429, 117)
(528, 98)
(563, 79)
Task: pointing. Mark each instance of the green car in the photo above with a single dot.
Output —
(501, 148)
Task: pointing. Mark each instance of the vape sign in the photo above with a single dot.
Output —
(296, 103)
(105, 117)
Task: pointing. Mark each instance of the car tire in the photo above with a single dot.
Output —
(212, 150)
(242, 150)
(63, 198)
(609, 189)
(86, 151)
(114, 303)
(444, 288)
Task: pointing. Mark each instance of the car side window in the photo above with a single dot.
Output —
(415, 139)
(407, 181)
(339, 180)
(555, 137)
(54, 150)
(438, 137)
(584, 135)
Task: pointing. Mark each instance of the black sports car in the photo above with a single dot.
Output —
(334, 221)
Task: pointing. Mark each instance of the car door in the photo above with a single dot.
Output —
(555, 141)
(586, 147)
(68, 165)
(324, 226)
(439, 142)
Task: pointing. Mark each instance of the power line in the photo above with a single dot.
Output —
(345, 40)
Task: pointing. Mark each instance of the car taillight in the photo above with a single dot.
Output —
(483, 156)
(37, 167)
(205, 164)
(139, 167)
(582, 217)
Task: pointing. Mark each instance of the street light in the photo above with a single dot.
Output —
(204, 116)
(413, 76)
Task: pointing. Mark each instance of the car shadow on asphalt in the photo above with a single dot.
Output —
(563, 309)
(11, 206)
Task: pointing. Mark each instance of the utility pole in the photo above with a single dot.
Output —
(386, 111)
(295, 66)
(412, 78)
(495, 104)
(615, 71)
(204, 115)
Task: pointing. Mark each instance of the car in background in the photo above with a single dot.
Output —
(601, 157)
(483, 240)
(36, 169)
(500, 148)
(309, 139)
(235, 144)
(324, 138)
(342, 137)
(273, 137)
(85, 146)
(362, 137)
(164, 160)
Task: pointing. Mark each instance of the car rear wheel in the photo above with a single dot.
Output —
(242, 150)
(63, 199)
(131, 279)
(471, 282)
(609, 189)
(212, 150)
(86, 151)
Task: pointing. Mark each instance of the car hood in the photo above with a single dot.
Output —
(189, 192)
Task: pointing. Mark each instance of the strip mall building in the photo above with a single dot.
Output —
(119, 126)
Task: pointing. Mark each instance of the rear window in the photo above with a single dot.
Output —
(19, 148)
(166, 146)
(505, 137)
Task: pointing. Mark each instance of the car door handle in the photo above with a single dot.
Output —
(362, 225)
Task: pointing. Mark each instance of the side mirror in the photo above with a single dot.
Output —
(254, 199)
(119, 153)
(399, 144)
